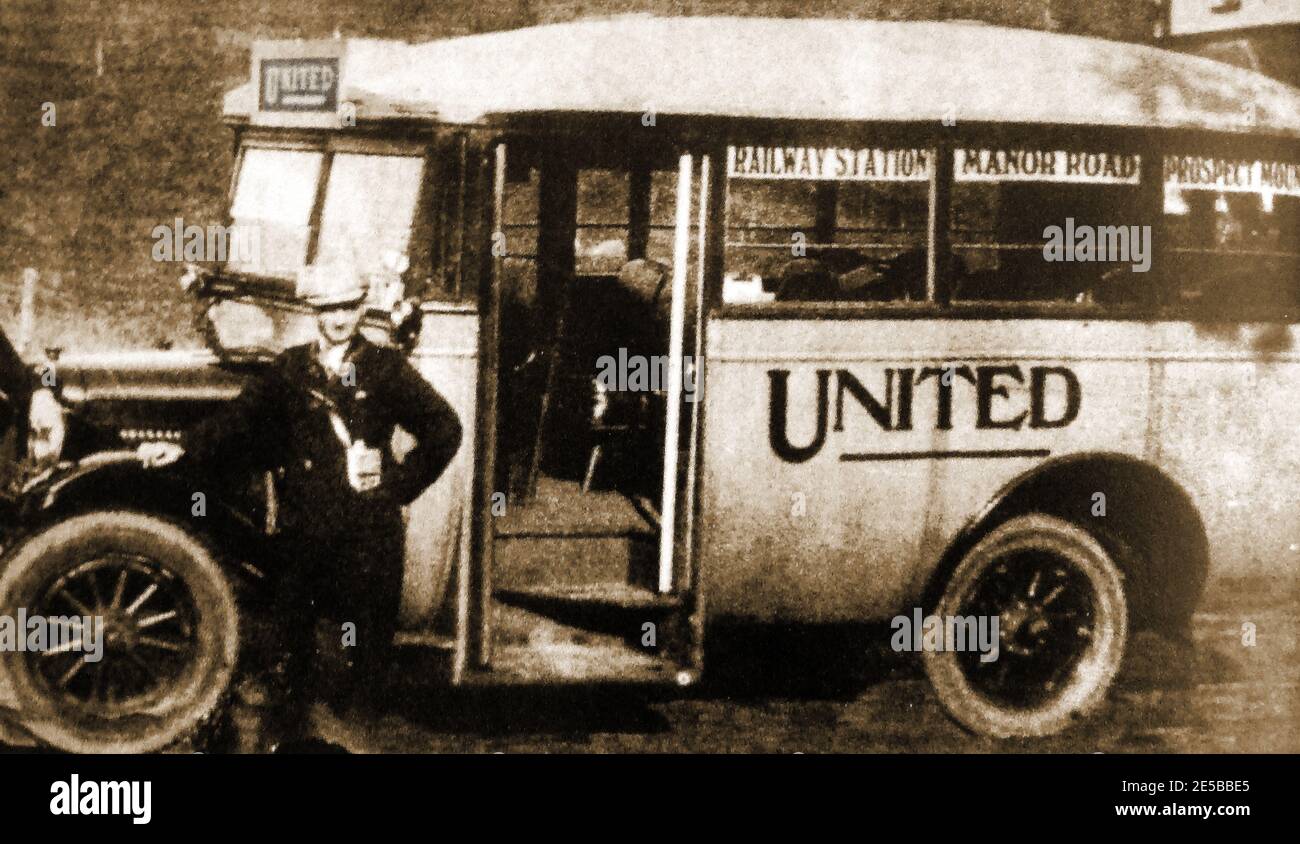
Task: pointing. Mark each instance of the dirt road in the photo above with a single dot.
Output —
(1218, 694)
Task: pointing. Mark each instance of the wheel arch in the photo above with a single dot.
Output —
(1151, 526)
(119, 481)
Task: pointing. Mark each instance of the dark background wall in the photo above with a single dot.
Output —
(138, 140)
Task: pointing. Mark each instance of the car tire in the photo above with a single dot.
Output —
(169, 641)
(1063, 627)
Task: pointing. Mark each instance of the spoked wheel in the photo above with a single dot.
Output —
(158, 652)
(1062, 620)
(148, 634)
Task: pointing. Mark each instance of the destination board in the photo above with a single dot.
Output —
(829, 163)
(1038, 165)
(1194, 172)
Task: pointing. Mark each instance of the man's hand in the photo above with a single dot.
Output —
(158, 454)
(364, 466)
(46, 426)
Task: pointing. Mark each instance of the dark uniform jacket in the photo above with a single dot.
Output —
(16, 384)
(283, 416)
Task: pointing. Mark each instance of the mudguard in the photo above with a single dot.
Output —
(118, 479)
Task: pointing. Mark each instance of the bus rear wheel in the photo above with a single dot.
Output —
(1062, 626)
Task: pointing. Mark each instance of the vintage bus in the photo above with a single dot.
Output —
(778, 322)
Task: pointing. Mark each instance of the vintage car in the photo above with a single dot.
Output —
(160, 556)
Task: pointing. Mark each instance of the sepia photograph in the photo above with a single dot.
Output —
(677, 378)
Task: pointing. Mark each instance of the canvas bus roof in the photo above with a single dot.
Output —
(805, 69)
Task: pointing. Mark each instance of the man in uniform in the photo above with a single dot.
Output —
(325, 412)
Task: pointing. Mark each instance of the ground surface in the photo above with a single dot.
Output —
(1216, 695)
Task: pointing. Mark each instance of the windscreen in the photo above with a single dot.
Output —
(369, 205)
(273, 200)
(363, 224)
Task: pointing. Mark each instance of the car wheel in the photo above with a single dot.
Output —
(1062, 628)
(169, 639)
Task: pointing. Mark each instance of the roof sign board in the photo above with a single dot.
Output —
(829, 163)
(301, 84)
(1192, 17)
(1194, 172)
(1039, 165)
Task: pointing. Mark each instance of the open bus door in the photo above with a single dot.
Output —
(570, 580)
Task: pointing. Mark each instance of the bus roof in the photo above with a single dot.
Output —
(801, 69)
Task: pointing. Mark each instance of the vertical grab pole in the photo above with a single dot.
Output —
(696, 364)
(479, 222)
(672, 432)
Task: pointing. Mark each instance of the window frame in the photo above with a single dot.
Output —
(428, 234)
(1153, 145)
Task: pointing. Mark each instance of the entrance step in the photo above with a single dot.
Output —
(565, 561)
(617, 608)
(531, 648)
(566, 536)
(424, 639)
(562, 509)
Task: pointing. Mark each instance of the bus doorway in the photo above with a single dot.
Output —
(597, 278)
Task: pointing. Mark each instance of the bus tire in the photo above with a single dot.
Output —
(169, 641)
(1062, 629)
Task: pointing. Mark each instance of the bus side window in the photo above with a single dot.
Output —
(1005, 236)
(791, 240)
(1232, 252)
